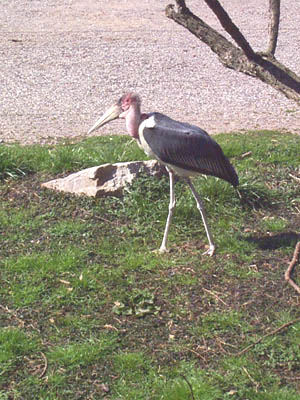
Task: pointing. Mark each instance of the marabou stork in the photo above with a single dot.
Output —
(184, 149)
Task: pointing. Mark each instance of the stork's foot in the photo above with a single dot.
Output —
(162, 250)
(210, 251)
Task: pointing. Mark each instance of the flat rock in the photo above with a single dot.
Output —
(106, 179)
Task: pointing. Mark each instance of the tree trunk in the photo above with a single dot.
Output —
(274, 12)
(242, 58)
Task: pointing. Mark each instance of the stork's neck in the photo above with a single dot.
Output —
(133, 119)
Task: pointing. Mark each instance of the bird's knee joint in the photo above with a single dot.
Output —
(200, 208)
(172, 206)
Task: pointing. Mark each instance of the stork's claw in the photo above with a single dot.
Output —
(210, 251)
(162, 250)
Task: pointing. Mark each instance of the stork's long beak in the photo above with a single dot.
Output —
(112, 113)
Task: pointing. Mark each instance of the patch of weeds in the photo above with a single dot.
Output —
(4, 395)
(71, 229)
(247, 269)
(131, 364)
(47, 274)
(145, 191)
(190, 385)
(136, 376)
(138, 303)
(219, 323)
(241, 379)
(273, 224)
(282, 352)
(81, 355)
(14, 346)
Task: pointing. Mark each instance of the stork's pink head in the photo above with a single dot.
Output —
(127, 107)
(128, 100)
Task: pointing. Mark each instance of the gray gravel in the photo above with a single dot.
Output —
(64, 62)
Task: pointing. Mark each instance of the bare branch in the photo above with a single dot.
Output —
(291, 267)
(45, 366)
(277, 330)
(189, 385)
(231, 28)
(274, 13)
(183, 16)
(266, 68)
(180, 3)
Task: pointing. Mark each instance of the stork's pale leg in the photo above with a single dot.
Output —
(163, 247)
(200, 207)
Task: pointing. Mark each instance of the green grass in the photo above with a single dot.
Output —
(89, 311)
(14, 161)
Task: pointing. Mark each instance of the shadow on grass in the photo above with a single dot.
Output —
(257, 197)
(275, 241)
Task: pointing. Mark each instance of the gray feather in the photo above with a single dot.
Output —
(188, 147)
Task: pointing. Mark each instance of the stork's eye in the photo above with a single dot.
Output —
(125, 105)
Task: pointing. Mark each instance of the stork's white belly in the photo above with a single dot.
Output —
(180, 171)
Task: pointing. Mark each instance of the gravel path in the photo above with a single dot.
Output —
(64, 62)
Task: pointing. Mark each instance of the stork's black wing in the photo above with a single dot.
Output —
(188, 147)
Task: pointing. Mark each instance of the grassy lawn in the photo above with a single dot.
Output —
(89, 311)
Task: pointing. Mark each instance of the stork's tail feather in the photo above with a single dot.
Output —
(219, 167)
(230, 174)
(233, 178)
